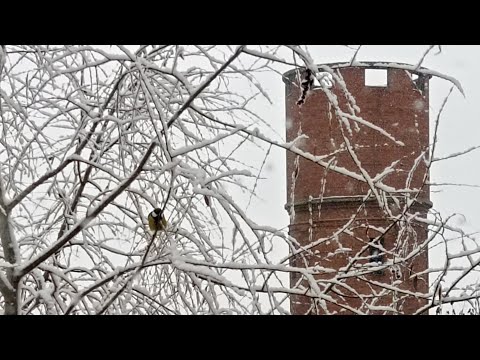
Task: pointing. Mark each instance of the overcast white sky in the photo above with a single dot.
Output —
(459, 129)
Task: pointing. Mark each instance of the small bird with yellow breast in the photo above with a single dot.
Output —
(156, 220)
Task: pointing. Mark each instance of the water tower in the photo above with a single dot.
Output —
(356, 247)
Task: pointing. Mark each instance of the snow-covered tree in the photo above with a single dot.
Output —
(93, 138)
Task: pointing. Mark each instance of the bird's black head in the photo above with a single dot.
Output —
(156, 212)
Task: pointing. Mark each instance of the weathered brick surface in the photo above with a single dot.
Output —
(401, 109)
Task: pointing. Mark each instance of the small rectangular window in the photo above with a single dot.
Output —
(325, 78)
(376, 77)
(419, 81)
(376, 255)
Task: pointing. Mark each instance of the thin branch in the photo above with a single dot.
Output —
(32, 264)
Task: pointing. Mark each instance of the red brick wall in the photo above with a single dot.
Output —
(403, 111)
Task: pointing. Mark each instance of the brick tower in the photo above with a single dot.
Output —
(358, 251)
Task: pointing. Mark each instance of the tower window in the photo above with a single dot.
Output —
(376, 77)
(419, 81)
(325, 78)
(376, 255)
